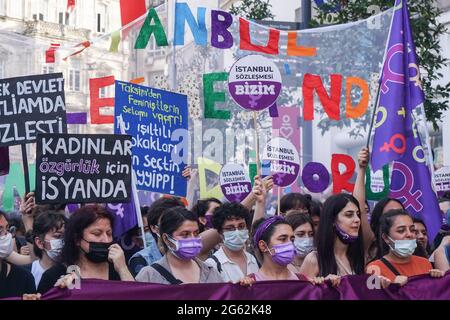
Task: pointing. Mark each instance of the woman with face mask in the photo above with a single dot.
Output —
(273, 242)
(304, 238)
(88, 250)
(340, 249)
(398, 243)
(14, 281)
(232, 260)
(179, 237)
(48, 233)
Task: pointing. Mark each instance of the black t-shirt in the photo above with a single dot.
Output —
(52, 275)
(16, 283)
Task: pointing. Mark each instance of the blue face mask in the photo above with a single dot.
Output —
(235, 240)
(403, 248)
(149, 239)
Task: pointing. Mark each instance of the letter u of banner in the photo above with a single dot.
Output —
(406, 191)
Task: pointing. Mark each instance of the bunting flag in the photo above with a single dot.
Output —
(115, 41)
(85, 44)
(70, 6)
(50, 53)
(130, 10)
(396, 136)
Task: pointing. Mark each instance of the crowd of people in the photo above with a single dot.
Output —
(215, 241)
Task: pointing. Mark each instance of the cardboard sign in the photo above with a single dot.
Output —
(442, 180)
(152, 117)
(284, 161)
(234, 182)
(83, 168)
(31, 105)
(254, 82)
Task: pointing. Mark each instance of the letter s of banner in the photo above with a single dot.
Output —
(373, 282)
(75, 271)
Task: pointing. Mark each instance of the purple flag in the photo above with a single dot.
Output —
(4, 161)
(396, 136)
(124, 217)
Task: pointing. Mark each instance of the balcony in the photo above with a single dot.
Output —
(54, 30)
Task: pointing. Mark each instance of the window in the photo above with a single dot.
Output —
(103, 92)
(101, 19)
(154, 50)
(63, 18)
(39, 17)
(48, 69)
(74, 80)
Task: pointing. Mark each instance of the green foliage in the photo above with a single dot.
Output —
(253, 9)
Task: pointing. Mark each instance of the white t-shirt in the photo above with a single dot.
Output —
(37, 271)
(230, 270)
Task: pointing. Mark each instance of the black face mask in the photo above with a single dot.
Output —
(98, 251)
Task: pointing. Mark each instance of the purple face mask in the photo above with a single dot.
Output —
(344, 236)
(284, 253)
(186, 249)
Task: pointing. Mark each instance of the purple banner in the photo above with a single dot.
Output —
(396, 136)
(350, 288)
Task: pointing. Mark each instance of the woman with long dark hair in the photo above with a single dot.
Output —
(340, 249)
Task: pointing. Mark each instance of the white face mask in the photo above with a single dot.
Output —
(235, 240)
(304, 245)
(403, 248)
(56, 246)
(6, 245)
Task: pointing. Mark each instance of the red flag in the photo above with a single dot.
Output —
(50, 53)
(130, 10)
(85, 44)
(70, 5)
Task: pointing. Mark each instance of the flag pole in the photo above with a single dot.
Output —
(137, 205)
(374, 113)
(377, 101)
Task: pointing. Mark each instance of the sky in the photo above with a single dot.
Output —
(284, 10)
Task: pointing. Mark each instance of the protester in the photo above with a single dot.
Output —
(151, 253)
(421, 233)
(232, 260)
(88, 247)
(14, 281)
(316, 210)
(303, 228)
(273, 242)
(398, 243)
(179, 232)
(295, 201)
(48, 232)
(204, 209)
(340, 249)
(444, 206)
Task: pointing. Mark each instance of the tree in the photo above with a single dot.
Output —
(253, 9)
(426, 31)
